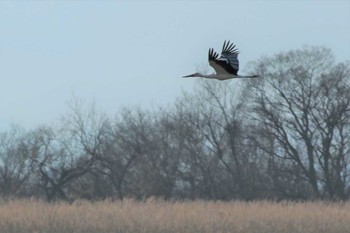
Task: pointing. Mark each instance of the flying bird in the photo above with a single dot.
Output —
(226, 66)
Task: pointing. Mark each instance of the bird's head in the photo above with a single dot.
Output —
(191, 75)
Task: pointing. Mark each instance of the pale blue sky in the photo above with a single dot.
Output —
(127, 53)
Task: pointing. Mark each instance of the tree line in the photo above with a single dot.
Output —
(283, 136)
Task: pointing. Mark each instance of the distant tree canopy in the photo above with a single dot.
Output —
(285, 135)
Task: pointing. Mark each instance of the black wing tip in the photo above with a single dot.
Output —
(229, 47)
(212, 55)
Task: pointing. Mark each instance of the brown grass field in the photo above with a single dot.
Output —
(152, 216)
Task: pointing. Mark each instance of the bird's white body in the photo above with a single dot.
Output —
(226, 66)
(220, 77)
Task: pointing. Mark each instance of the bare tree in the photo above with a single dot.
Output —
(17, 151)
(145, 154)
(222, 161)
(69, 151)
(122, 148)
(303, 105)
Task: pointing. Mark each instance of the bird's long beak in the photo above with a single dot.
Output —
(188, 76)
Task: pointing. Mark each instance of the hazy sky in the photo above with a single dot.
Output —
(133, 53)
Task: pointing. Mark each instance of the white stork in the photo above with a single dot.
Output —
(226, 66)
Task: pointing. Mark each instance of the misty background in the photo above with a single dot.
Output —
(93, 105)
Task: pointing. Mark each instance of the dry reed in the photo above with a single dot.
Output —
(152, 216)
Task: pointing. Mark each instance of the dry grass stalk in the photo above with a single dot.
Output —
(30, 216)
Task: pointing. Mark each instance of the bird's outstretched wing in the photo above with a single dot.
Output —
(228, 61)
